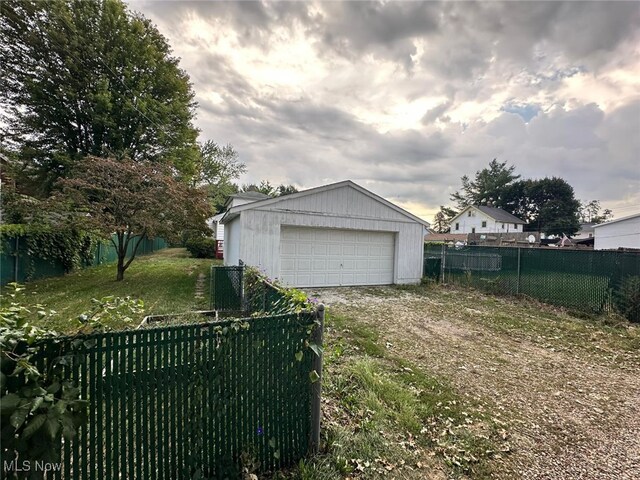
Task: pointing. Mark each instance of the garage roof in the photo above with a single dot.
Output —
(621, 219)
(235, 211)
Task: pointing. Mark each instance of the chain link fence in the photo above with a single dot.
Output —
(591, 281)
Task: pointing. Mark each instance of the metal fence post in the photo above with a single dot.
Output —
(211, 287)
(316, 387)
(442, 263)
(518, 282)
(15, 265)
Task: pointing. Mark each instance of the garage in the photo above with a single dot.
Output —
(323, 257)
(334, 235)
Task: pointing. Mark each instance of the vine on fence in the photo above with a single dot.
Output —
(39, 406)
(288, 300)
(71, 247)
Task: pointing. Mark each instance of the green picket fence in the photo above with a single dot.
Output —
(17, 265)
(592, 281)
(190, 401)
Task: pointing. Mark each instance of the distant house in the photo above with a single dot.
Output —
(620, 233)
(234, 200)
(586, 231)
(446, 238)
(483, 219)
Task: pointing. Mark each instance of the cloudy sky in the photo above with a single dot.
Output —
(405, 97)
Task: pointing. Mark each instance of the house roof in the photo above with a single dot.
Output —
(621, 219)
(234, 211)
(446, 237)
(586, 227)
(497, 214)
(251, 195)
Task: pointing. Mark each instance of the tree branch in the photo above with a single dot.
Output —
(135, 249)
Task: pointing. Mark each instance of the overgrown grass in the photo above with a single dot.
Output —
(165, 281)
(386, 417)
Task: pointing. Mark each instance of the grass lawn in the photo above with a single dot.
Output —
(164, 280)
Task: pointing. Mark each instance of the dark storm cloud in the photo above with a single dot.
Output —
(506, 61)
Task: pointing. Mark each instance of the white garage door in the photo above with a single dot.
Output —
(324, 257)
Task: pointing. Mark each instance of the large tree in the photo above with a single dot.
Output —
(134, 200)
(548, 205)
(441, 222)
(90, 78)
(487, 187)
(218, 166)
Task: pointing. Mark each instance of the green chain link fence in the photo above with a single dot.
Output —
(592, 281)
(17, 265)
(227, 288)
(189, 401)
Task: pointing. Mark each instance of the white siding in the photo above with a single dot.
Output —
(219, 231)
(623, 233)
(327, 257)
(231, 246)
(340, 201)
(260, 242)
(467, 224)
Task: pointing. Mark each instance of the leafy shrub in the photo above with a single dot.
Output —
(627, 299)
(201, 247)
(269, 296)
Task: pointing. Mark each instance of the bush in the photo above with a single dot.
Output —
(202, 247)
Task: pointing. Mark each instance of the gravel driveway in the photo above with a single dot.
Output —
(572, 402)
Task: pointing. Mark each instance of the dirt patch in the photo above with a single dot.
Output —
(572, 405)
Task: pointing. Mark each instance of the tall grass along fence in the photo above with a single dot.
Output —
(591, 281)
(18, 265)
(214, 399)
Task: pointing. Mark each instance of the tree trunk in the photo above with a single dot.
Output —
(121, 268)
(122, 252)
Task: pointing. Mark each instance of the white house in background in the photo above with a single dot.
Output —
(586, 231)
(216, 227)
(482, 219)
(338, 234)
(620, 233)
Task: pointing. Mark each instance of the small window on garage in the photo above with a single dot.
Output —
(484, 224)
(503, 226)
(469, 213)
(515, 225)
(473, 230)
(457, 226)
